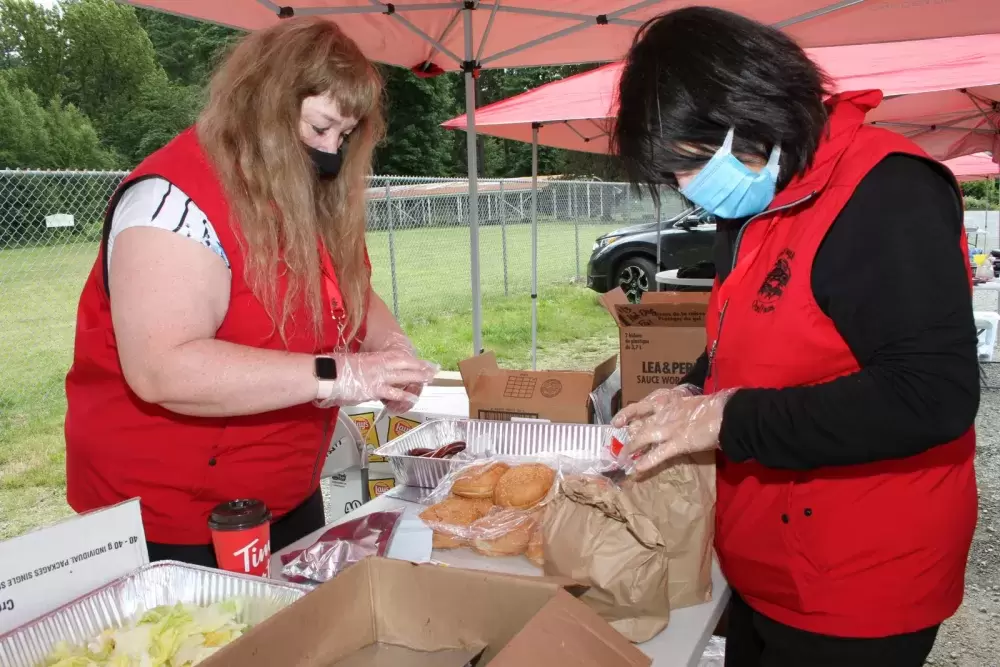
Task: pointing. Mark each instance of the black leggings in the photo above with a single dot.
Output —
(304, 519)
(753, 640)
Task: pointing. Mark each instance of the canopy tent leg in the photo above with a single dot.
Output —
(471, 149)
(534, 246)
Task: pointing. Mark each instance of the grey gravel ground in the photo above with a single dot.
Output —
(972, 637)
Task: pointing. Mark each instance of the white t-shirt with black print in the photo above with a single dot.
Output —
(156, 202)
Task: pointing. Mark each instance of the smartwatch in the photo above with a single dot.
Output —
(325, 370)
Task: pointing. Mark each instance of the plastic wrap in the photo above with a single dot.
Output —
(340, 547)
(495, 507)
(715, 653)
(492, 507)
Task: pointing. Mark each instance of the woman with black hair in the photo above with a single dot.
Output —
(840, 380)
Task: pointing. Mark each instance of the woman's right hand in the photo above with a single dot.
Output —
(382, 376)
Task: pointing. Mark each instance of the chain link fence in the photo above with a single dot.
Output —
(418, 237)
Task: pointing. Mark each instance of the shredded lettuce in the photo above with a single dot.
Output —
(179, 636)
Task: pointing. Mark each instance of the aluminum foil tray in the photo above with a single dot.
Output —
(114, 605)
(484, 439)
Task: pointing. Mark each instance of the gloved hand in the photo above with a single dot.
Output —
(401, 407)
(660, 398)
(400, 343)
(671, 424)
(386, 375)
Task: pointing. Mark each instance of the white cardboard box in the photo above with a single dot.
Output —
(46, 568)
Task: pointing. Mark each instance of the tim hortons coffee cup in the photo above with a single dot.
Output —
(241, 535)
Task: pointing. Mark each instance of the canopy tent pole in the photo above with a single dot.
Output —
(534, 245)
(471, 150)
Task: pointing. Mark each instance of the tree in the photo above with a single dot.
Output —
(985, 194)
(416, 144)
(588, 165)
(31, 47)
(187, 50)
(54, 136)
(109, 61)
(162, 109)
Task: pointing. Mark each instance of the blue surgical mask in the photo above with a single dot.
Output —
(728, 189)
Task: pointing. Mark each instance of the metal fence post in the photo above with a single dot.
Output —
(503, 237)
(576, 229)
(392, 250)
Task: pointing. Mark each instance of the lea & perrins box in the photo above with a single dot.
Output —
(661, 338)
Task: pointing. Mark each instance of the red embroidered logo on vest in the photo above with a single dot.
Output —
(774, 283)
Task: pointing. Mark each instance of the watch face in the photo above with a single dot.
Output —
(326, 368)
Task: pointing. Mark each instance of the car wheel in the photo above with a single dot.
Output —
(635, 275)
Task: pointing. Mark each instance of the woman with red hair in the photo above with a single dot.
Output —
(230, 310)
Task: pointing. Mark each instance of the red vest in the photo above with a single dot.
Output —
(859, 551)
(119, 447)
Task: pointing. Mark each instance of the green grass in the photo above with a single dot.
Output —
(39, 289)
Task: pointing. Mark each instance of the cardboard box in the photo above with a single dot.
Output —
(444, 613)
(556, 396)
(661, 338)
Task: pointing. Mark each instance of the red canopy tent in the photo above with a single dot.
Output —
(974, 167)
(943, 93)
(431, 36)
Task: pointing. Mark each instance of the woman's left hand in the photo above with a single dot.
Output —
(685, 425)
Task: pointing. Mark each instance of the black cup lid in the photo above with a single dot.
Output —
(239, 515)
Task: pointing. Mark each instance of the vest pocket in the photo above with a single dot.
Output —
(752, 539)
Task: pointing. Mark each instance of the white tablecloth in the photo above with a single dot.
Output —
(681, 644)
(670, 278)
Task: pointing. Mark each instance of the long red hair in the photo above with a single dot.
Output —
(250, 129)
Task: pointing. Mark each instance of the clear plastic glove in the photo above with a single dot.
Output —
(678, 424)
(398, 342)
(386, 376)
(657, 400)
(413, 391)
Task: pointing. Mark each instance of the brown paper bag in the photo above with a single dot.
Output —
(594, 534)
(680, 499)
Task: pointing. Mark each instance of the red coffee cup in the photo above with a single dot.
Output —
(241, 534)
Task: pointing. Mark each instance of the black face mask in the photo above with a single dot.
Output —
(327, 164)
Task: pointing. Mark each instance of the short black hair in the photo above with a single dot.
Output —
(693, 73)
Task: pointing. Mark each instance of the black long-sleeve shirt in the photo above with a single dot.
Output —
(893, 280)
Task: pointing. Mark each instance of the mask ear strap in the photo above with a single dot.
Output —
(774, 162)
(727, 145)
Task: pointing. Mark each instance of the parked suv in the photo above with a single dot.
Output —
(626, 257)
